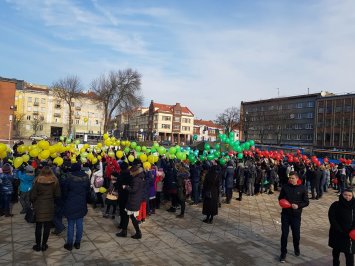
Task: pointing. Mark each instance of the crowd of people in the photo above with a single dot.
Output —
(48, 192)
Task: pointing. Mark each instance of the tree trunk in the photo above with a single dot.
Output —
(70, 121)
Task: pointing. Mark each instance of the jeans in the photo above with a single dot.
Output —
(5, 203)
(79, 230)
(58, 219)
(294, 222)
(25, 201)
(349, 258)
(196, 192)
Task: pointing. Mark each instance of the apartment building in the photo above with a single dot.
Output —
(207, 130)
(161, 122)
(7, 107)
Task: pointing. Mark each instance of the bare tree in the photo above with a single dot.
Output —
(17, 123)
(229, 119)
(118, 91)
(68, 89)
(37, 123)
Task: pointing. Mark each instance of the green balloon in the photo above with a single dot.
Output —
(240, 156)
(155, 144)
(183, 156)
(217, 146)
(68, 140)
(251, 142)
(133, 145)
(148, 150)
(210, 157)
(126, 150)
(61, 138)
(195, 137)
(216, 154)
(191, 157)
(77, 142)
(144, 148)
(138, 148)
(202, 157)
(161, 150)
(179, 155)
(153, 149)
(207, 147)
(172, 150)
(222, 161)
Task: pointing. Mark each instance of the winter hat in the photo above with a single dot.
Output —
(29, 170)
(136, 162)
(6, 168)
(75, 167)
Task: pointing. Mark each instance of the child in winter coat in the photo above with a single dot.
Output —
(111, 197)
(159, 186)
(6, 190)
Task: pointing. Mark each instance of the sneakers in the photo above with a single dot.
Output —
(283, 258)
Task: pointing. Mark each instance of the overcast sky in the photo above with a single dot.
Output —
(207, 55)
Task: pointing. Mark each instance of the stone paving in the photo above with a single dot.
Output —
(244, 233)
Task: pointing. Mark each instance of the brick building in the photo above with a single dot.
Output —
(7, 107)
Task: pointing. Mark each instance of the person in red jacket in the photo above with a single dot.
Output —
(295, 193)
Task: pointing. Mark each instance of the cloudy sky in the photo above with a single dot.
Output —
(207, 55)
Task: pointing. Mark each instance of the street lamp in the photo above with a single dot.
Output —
(10, 120)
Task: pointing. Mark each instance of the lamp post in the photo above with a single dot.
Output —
(10, 120)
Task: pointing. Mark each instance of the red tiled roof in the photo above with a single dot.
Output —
(208, 123)
(165, 108)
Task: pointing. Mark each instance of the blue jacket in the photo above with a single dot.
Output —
(6, 183)
(229, 177)
(26, 181)
(76, 189)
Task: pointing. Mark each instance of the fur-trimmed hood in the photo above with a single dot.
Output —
(136, 170)
(46, 179)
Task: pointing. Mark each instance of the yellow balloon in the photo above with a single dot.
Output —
(131, 158)
(123, 143)
(58, 161)
(21, 149)
(99, 145)
(25, 158)
(147, 165)
(143, 157)
(3, 154)
(86, 119)
(45, 154)
(73, 160)
(94, 160)
(156, 158)
(108, 142)
(102, 190)
(54, 155)
(34, 152)
(99, 157)
(82, 150)
(52, 149)
(18, 162)
(151, 159)
(119, 154)
(3, 147)
(43, 144)
(86, 146)
(128, 143)
(118, 143)
(105, 136)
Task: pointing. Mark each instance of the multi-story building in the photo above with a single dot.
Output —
(335, 122)
(280, 121)
(161, 122)
(40, 112)
(206, 130)
(7, 107)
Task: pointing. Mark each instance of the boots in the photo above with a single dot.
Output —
(68, 246)
(122, 233)
(36, 247)
(138, 235)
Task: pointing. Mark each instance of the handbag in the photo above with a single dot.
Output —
(111, 196)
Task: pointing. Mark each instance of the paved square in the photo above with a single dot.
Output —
(244, 233)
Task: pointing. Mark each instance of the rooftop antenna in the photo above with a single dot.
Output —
(307, 90)
(278, 92)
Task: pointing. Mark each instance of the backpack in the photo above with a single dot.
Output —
(187, 187)
(98, 179)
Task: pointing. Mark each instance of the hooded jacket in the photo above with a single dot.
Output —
(342, 220)
(135, 188)
(43, 193)
(295, 194)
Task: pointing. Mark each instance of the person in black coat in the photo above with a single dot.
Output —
(135, 190)
(240, 177)
(76, 191)
(342, 220)
(210, 194)
(123, 179)
(295, 193)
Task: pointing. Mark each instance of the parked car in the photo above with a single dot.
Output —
(38, 137)
(166, 143)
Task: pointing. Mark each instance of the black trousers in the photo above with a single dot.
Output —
(229, 194)
(294, 222)
(38, 233)
(349, 258)
(125, 220)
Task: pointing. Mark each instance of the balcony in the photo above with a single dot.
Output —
(78, 108)
(57, 115)
(36, 104)
(77, 116)
(57, 106)
(35, 112)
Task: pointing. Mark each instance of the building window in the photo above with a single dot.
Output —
(338, 109)
(43, 109)
(166, 118)
(36, 100)
(288, 136)
(155, 117)
(299, 116)
(176, 127)
(29, 108)
(185, 128)
(43, 100)
(167, 126)
(28, 117)
(309, 115)
(177, 112)
(309, 137)
(155, 125)
(77, 121)
(186, 120)
(310, 104)
(299, 105)
(40, 127)
(309, 126)
(29, 99)
(176, 119)
(97, 122)
(298, 137)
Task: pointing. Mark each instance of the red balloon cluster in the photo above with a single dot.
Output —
(285, 204)
(345, 161)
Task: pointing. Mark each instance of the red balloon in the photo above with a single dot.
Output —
(296, 160)
(325, 160)
(284, 203)
(317, 163)
(352, 234)
(332, 165)
(290, 159)
(281, 152)
(348, 162)
(304, 157)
